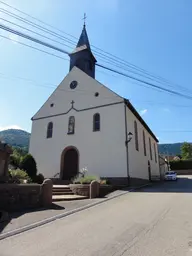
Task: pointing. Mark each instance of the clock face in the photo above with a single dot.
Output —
(73, 84)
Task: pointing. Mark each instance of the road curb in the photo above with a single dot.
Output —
(62, 215)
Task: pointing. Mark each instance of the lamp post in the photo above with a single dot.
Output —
(128, 139)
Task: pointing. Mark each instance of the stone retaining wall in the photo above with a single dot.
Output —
(14, 197)
(80, 189)
(183, 172)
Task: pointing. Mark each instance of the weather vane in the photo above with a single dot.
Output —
(84, 18)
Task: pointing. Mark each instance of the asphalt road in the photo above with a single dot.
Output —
(151, 222)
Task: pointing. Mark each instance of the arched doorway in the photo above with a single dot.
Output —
(149, 170)
(69, 163)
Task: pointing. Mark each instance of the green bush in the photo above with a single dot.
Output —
(181, 165)
(39, 178)
(15, 160)
(85, 180)
(29, 165)
(19, 176)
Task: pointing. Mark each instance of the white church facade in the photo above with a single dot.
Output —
(85, 124)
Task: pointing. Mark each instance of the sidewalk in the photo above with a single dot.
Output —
(22, 219)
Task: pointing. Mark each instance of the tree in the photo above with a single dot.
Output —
(186, 151)
(28, 164)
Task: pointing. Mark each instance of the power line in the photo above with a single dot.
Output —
(29, 46)
(16, 9)
(32, 31)
(114, 58)
(13, 15)
(81, 91)
(54, 86)
(114, 63)
(6, 28)
(34, 48)
(122, 62)
(145, 82)
(100, 55)
(16, 32)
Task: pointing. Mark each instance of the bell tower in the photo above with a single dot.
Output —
(82, 56)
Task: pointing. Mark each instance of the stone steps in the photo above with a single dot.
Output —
(63, 192)
(67, 197)
(61, 182)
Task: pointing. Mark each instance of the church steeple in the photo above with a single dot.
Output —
(83, 39)
(82, 56)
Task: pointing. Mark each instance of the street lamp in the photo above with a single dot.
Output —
(129, 138)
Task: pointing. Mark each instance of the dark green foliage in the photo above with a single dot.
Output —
(85, 180)
(19, 176)
(186, 151)
(15, 158)
(16, 138)
(20, 151)
(181, 165)
(39, 178)
(29, 165)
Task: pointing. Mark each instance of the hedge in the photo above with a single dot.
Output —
(181, 165)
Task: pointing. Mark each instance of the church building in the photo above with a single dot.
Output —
(85, 124)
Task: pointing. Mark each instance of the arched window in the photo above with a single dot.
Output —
(144, 144)
(96, 122)
(50, 130)
(150, 150)
(71, 125)
(136, 136)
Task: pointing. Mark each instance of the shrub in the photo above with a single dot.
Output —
(88, 179)
(181, 165)
(39, 178)
(19, 176)
(15, 160)
(29, 165)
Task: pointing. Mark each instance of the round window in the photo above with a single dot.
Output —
(73, 84)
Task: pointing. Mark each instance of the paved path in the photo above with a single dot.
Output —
(153, 221)
(21, 219)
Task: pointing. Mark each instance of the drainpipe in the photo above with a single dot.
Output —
(126, 145)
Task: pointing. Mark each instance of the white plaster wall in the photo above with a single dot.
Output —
(83, 95)
(138, 162)
(103, 152)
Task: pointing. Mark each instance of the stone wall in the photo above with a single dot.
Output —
(80, 189)
(88, 190)
(183, 172)
(14, 197)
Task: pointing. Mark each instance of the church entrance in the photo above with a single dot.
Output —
(69, 163)
(149, 170)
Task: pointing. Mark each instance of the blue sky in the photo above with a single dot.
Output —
(155, 35)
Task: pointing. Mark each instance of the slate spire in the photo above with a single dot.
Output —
(83, 39)
(82, 56)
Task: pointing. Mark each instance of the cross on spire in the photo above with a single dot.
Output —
(84, 18)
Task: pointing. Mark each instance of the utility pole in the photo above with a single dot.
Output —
(167, 153)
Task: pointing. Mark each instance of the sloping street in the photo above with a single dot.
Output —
(156, 220)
